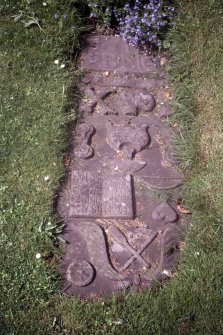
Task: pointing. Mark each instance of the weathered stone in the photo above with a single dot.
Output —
(120, 238)
(136, 241)
(169, 247)
(111, 53)
(96, 246)
(126, 166)
(117, 80)
(133, 102)
(164, 111)
(97, 100)
(129, 139)
(110, 102)
(165, 212)
(96, 195)
(80, 273)
(83, 149)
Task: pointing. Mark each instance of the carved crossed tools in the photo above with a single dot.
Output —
(83, 150)
(120, 238)
(97, 99)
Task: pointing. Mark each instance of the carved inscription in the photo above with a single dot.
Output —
(105, 195)
(113, 54)
(86, 194)
(117, 196)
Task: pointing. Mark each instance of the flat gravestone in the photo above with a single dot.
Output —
(105, 195)
(103, 53)
(122, 224)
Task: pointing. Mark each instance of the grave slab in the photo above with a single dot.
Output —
(122, 226)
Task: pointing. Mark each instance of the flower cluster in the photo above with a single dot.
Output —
(140, 22)
(144, 24)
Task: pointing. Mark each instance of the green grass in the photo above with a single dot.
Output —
(36, 111)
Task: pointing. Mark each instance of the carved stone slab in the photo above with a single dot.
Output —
(106, 195)
(111, 53)
(123, 177)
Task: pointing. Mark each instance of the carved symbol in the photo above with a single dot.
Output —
(164, 212)
(98, 100)
(120, 238)
(80, 273)
(137, 101)
(83, 150)
(143, 247)
(95, 241)
(128, 138)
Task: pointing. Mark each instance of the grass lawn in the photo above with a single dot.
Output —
(36, 112)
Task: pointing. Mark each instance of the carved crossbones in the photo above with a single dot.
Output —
(120, 238)
(97, 99)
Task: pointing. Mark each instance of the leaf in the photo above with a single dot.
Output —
(17, 17)
(168, 273)
(163, 60)
(183, 210)
(31, 22)
(182, 245)
(167, 93)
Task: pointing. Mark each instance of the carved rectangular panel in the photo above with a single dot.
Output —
(101, 195)
(113, 54)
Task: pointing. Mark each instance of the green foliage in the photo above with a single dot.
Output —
(32, 137)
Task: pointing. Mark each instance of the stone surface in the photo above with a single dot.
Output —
(123, 165)
(132, 101)
(137, 101)
(103, 53)
(129, 139)
(122, 241)
(104, 195)
(97, 100)
(120, 238)
(83, 149)
(112, 102)
(112, 79)
(169, 250)
(80, 273)
(164, 212)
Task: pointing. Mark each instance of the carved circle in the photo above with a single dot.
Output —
(80, 273)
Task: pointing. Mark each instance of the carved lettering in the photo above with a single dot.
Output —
(114, 55)
(101, 195)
